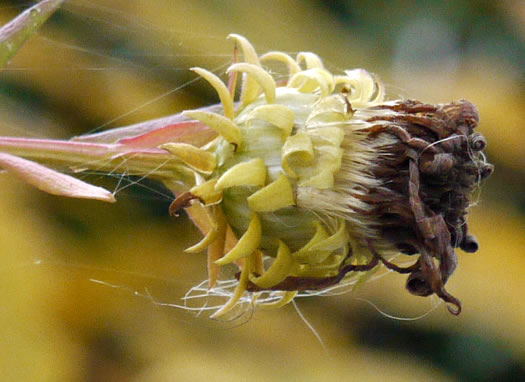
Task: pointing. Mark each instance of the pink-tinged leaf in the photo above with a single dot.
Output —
(51, 181)
(191, 132)
(119, 133)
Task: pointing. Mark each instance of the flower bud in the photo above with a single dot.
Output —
(320, 180)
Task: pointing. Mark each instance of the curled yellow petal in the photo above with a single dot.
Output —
(297, 149)
(248, 51)
(194, 157)
(303, 255)
(285, 299)
(210, 237)
(222, 125)
(365, 89)
(246, 245)
(221, 89)
(311, 60)
(310, 80)
(250, 87)
(278, 115)
(293, 67)
(279, 269)
(239, 290)
(320, 247)
(217, 247)
(335, 108)
(249, 173)
(206, 192)
(276, 195)
(264, 79)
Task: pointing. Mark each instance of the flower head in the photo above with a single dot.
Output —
(306, 183)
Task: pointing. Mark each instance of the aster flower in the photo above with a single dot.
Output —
(300, 185)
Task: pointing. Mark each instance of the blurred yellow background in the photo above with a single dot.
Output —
(99, 64)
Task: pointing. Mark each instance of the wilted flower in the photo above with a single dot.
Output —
(303, 184)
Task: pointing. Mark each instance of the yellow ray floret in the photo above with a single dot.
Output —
(278, 115)
(207, 193)
(250, 87)
(334, 108)
(249, 173)
(365, 91)
(239, 290)
(222, 125)
(221, 89)
(310, 80)
(293, 67)
(210, 236)
(216, 248)
(249, 53)
(278, 271)
(303, 255)
(297, 149)
(262, 77)
(194, 157)
(321, 245)
(285, 298)
(276, 195)
(246, 245)
(311, 60)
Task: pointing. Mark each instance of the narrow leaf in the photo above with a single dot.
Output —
(51, 181)
(17, 31)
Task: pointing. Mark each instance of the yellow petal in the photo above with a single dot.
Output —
(297, 149)
(194, 157)
(293, 67)
(258, 266)
(276, 195)
(366, 90)
(207, 193)
(264, 79)
(285, 299)
(279, 269)
(311, 60)
(246, 245)
(303, 254)
(320, 247)
(250, 86)
(335, 108)
(249, 173)
(239, 290)
(210, 237)
(322, 180)
(222, 125)
(248, 52)
(221, 89)
(278, 115)
(310, 80)
(321, 174)
(217, 247)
